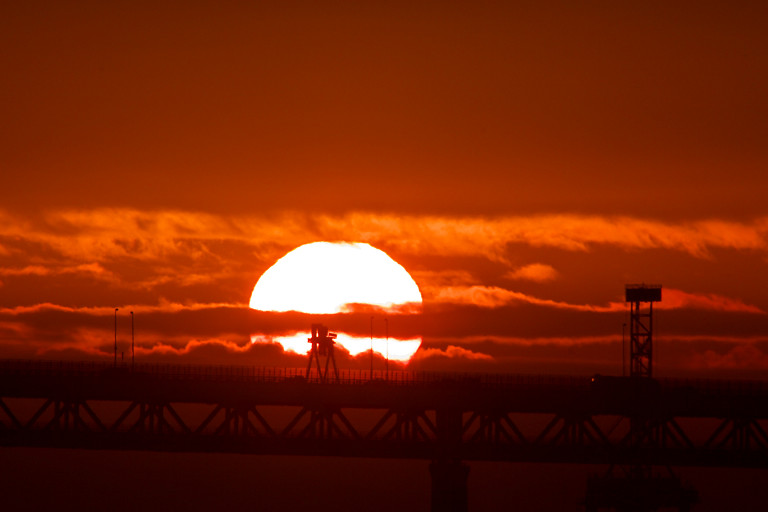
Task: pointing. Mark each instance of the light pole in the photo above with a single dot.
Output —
(116, 310)
(623, 352)
(371, 374)
(133, 352)
(386, 328)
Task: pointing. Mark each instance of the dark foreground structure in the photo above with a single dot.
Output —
(444, 418)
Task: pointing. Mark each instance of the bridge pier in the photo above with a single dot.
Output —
(449, 485)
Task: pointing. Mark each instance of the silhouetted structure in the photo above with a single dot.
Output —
(322, 346)
(635, 487)
(446, 419)
(641, 328)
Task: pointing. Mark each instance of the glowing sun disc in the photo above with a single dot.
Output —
(324, 278)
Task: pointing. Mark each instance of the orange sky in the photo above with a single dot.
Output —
(522, 162)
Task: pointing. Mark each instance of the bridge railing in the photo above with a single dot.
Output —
(717, 386)
(349, 376)
(273, 374)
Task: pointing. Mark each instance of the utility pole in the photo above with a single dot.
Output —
(623, 351)
(115, 363)
(371, 374)
(133, 350)
(386, 327)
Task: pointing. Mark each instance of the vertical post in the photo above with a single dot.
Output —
(386, 327)
(650, 339)
(133, 350)
(623, 350)
(371, 374)
(115, 363)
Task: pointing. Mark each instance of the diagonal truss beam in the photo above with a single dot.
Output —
(404, 425)
(479, 433)
(495, 427)
(151, 419)
(15, 423)
(571, 430)
(322, 423)
(740, 434)
(656, 433)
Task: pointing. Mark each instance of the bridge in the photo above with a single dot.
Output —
(444, 418)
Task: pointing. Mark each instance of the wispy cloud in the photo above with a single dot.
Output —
(162, 307)
(495, 297)
(567, 341)
(91, 269)
(490, 236)
(93, 235)
(30, 270)
(215, 260)
(191, 346)
(538, 272)
(451, 351)
(744, 356)
(678, 299)
(436, 278)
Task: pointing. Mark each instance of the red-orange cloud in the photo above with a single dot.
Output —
(451, 351)
(678, 299)
(538, 272)
(742, 356)
(162, 307)
(494, 297)
(93, 235)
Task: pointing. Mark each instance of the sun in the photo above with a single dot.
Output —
(326, 278)
(329, 278)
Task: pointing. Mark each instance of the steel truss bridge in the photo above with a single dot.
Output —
(443, 418)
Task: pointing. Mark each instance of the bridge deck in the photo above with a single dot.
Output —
(405, 415)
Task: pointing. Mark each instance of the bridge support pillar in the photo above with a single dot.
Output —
(449, 485)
